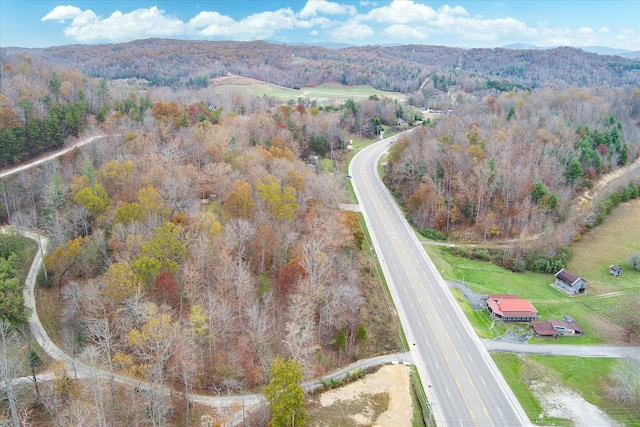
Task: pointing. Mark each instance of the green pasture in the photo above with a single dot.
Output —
(590, 311)
(610, 243)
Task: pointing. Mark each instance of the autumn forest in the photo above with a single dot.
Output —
(202, 235)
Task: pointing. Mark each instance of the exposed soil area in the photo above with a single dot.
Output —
(379, 399)
(559, 402)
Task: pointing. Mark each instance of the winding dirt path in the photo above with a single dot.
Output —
(49, 157)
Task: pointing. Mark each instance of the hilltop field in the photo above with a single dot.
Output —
(324, 93)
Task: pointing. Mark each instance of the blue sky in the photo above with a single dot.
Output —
(478, 23)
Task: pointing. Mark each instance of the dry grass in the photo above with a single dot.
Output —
(610, 243)
(49, 308)
(347, 413)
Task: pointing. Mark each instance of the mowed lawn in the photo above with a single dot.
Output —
(610, 243)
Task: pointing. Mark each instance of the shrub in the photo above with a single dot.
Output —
(634, 261)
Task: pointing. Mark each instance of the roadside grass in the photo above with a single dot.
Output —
(420, 405)
(588, 377)
(480, 320)
(517, 374)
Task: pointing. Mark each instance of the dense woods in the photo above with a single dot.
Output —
(194, 244)
(396, 68)
(510, 167)
(199, 240)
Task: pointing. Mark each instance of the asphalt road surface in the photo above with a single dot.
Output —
(462, 383)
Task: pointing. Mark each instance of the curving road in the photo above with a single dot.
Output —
(463, 384)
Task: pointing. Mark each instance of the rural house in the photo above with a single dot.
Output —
(570, 283)
(510, 308)
(554, 328)
(615, 270)
(566, 326)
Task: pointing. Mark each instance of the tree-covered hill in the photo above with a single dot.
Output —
(398, 68)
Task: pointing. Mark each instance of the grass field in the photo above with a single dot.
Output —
(589, 377)
(330, 92)
(609, 243)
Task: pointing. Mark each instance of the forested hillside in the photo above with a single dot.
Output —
(396, 68)
(193, 244)
(510, 167)
(202, 236)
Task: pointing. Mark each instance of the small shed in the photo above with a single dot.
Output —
(544, 330)
(569, 282)
(615, 270)
(566, 327)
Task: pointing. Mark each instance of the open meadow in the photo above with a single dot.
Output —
(324, 93)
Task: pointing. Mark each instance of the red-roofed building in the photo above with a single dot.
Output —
(510, 308)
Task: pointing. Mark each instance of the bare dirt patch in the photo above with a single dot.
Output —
(560, 402)
(379, 399)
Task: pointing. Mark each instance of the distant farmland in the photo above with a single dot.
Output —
(321, 93)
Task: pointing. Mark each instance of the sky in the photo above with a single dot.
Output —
(462, 23)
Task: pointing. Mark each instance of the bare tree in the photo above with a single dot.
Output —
(626, 374)
(9, 368)
(300, 337)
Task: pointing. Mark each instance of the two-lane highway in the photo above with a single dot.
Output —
(461, 380)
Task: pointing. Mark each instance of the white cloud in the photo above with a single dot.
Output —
(401, 12)
(585, 31)
(86, 26)
(352, 30)
(204, 19)
(604, 30)
(324, 7)
(406, 32)
(253, 27)
(62, 13)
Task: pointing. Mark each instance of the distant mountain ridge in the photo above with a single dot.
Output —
(600, 50)
(404, 68)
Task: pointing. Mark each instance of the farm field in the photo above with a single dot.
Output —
(609, 243)
(329, 92)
